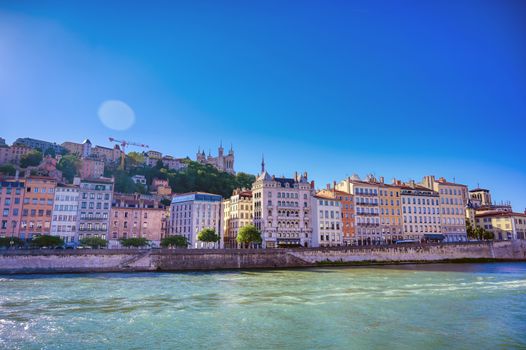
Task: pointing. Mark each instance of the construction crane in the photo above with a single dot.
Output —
(123, 144)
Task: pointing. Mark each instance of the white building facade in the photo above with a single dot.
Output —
(453, 200)
(421, 212)
(282, 210)
(64, 220)
(326, 222)
(95, 197)
(190, 213)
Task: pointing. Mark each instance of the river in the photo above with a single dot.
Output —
(435, 306)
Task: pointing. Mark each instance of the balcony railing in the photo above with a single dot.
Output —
(367, 204)
(85, 229)
(367, 214)
(366, 194)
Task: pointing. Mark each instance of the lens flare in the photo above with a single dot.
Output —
(116, 115)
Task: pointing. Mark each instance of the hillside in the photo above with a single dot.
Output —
(195, 177)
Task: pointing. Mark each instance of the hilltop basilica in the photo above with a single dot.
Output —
(222, 162)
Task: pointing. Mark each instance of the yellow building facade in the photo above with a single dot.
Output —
(390, 205)
(503, 225)
(237, 212)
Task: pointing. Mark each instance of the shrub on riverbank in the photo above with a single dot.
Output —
(137, 242)
(94, 242)
(174, 241)
(47, 241)
(6, 242)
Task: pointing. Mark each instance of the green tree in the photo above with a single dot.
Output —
(248, 235)
(478, 232)
(483, 234)
(123, 182)
(487, 235)
(32, 158)
(7, 169)
(7, 242)
(69, 165)
(194, 177)
(94, 242)
(50, 151)
(135, 159)
(208, 235)
(470, 230)
(47, 241)
(136, 242)
(206, 178)
(174, 241)
(244, 180)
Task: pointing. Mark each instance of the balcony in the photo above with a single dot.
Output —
(85, 229)
(93, 219)
(367, 214)
(367, 204)
(366, 194)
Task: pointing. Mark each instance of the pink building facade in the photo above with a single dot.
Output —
(11, 199)
(91, 168)
(133, 217)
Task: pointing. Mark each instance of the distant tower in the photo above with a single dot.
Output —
(86, 148)
(220, 150)
(200, 156)
(222, 162)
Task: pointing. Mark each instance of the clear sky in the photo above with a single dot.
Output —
(395, 88)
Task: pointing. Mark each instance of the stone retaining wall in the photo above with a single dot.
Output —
(49, 261)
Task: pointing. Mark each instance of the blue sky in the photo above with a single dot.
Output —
(400, 89)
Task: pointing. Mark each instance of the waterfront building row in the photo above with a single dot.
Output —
(290, 212)
(37, 205)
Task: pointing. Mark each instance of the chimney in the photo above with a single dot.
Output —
(328, 186)
(312, 184)
(334, 185)
(381, 179)
(412, 183)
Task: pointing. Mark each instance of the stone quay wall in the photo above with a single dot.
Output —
(130, 260)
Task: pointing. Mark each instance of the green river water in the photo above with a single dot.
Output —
(439, 306)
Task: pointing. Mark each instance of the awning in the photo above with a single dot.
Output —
(434, 236)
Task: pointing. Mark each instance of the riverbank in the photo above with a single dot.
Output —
(86, 261)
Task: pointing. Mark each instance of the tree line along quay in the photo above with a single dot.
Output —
(79, 195)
